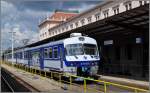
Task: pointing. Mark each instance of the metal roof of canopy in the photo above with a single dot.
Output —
(134, 20)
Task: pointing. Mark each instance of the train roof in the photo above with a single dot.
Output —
(44, 45)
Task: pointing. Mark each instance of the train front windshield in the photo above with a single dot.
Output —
(81, 49)
(74, 49)
(90, 49)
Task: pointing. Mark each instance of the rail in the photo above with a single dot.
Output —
(6, 82)
(104, 86)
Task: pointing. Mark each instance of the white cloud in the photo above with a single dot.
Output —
(12, 17)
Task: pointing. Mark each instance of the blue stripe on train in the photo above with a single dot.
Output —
(81, 63)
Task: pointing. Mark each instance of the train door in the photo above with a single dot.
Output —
(29, 58)
(36, 59)
(61, 50)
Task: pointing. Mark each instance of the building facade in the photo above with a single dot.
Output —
(57, 18)
(62, 22)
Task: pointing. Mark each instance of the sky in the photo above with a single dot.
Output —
(23, 17)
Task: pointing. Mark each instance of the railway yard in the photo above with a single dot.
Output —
(101, 50)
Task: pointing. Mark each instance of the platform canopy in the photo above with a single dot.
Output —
(132, 21)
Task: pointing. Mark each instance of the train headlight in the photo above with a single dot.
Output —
(92, 63)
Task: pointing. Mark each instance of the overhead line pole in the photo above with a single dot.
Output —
(12, 46)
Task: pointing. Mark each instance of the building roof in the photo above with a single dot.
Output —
(62, 15)
(59, 16)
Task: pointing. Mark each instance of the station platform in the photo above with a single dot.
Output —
(105, 84)
(125, 81)
(40, 83)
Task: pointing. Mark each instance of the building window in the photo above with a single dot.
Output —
(83, 21)
(116, 9)
(97, 16)
(59, 30)
(128, 5)
(140, 2)
(62, 29)
(106, 13)
(50, 53)
(66, 27)
(49, 32)
(45, 33)
(89, 19)
(145, 2)
(46, 53)
(76, 24)
(55, 32)
(55, 52)
(71, 26)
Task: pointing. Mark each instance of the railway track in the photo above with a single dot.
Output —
(90, 86)
(11, 83)
(6, 87)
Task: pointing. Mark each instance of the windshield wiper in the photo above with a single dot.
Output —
(75, 56)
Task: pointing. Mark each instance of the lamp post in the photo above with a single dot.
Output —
(12, 46)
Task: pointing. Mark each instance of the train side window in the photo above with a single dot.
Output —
(20, 55)
(25, 55)
(55, 52)
(50, 53)
(61, 52)
(46, 53)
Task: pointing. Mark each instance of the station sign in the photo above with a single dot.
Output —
(138, 40)
(108, 42)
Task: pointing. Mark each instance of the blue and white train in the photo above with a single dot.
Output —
(77, 55)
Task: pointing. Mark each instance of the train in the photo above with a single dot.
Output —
(76, 55)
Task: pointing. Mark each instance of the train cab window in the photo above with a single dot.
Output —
(74, 49)
(90, 49)
(50, 53)
(46, 53)
(55, 52)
